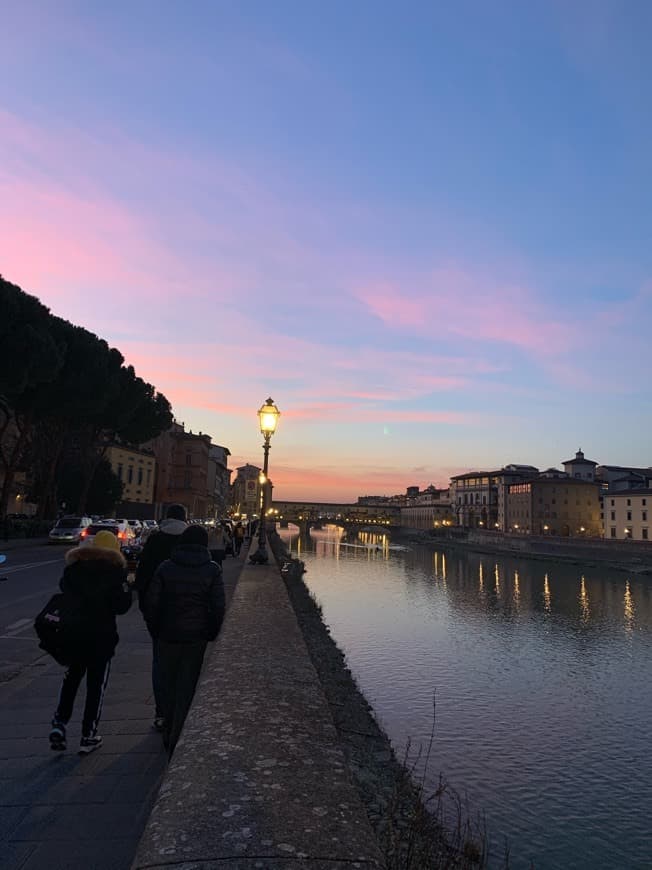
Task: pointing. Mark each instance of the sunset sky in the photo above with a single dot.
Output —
(425, 229)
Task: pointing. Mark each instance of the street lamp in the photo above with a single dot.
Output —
(268, 416)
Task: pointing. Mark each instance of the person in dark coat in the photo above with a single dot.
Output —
(157, 549)
(184, 609)
(96, 575)
(238, 538)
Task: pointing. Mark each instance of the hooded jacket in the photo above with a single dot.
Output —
(184, 603)
(157, 549)
(98, 578)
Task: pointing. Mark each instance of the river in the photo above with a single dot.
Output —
(540, 673)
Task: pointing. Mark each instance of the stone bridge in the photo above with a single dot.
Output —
(317, 514)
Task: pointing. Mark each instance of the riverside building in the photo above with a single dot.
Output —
(554, 506)
(626, 515)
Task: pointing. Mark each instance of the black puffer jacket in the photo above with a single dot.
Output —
(98, 578)
(184, 602)
(158, 547)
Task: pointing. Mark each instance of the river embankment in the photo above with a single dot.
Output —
(409, 834)
(624, 556)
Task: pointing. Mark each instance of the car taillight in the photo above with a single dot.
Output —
(84, 533)
(122, 535)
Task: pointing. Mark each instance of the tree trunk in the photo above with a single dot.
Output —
(47, 447)
(11, 455)
(91, 457)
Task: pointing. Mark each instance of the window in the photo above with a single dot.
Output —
(613, 516)
(644, 534)
(629, 516)
(140, 476)
(187, 478)
(149, 476)
(120, 469)
(629, 502)
(554, 501)
(644, 502)
(613, 532)
(644, 516)
(130, 474)
(612, 502)
(188, 459)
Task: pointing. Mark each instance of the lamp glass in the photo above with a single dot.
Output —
(268, 415)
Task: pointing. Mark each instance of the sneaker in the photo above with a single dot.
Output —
(159, 723)
(89, 744)
(58, 736)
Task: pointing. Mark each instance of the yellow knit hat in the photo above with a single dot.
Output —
(107, 540)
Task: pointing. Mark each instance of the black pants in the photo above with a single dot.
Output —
(180, 665)
(97, 676)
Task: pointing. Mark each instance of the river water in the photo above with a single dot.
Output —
(541, 673)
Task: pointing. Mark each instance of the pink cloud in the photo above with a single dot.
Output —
(456, 303)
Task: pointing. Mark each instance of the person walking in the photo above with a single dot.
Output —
(184, 610)
(157, 549)
(238, 538)
(96, 576)
(218, 544)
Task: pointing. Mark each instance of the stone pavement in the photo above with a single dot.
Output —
(259, 779)
(60, 810)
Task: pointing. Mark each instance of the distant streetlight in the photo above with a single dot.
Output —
(268, 416)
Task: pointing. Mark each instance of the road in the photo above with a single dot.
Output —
(32, 576)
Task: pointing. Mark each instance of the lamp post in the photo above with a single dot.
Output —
(268, 416)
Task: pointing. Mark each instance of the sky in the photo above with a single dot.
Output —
(424, 229)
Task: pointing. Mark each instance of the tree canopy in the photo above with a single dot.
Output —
(62, 384)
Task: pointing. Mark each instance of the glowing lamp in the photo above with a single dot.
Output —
(268, 415)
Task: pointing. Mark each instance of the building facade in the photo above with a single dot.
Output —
(136, 469)
(246, 492)
(219, 481)
(474, 499)
(182, 460)
(626, 515)
(554, 506)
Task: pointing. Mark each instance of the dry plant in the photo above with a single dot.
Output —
(431, 831)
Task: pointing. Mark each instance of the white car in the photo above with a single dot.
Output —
(120, 528)
(69, 530)
(137, 526)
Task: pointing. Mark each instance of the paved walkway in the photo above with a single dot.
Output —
(59, 810)
(259, 780)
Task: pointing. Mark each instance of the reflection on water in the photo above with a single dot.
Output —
(541, 673)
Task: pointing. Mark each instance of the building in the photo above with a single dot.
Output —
(620, 477)
(182, 477)
(512, 473)
(428, 509)
(219, 481)
(553, 506)
(626, 515)
(136, 468)
(246, 492)
(474, 499)
(580, 467)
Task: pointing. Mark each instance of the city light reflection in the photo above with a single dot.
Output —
(629, 608)
(547, 598)
(585, 610)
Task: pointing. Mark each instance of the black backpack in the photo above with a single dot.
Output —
(61, 627)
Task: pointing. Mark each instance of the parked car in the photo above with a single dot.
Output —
(69, 530)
